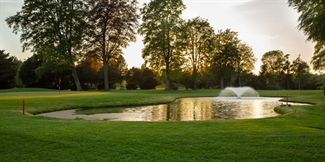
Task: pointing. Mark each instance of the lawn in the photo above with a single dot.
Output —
(297, 135)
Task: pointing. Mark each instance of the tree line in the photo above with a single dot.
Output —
(276, 72)
(82, 40)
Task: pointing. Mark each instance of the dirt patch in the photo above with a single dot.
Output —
(71, 114)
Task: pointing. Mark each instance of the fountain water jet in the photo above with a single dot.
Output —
(239, 92)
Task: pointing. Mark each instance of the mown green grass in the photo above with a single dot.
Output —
(297, 135)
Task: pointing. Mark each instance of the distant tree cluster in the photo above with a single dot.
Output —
(78, 45)
(33, 74)
(277, 72)
(140, 78)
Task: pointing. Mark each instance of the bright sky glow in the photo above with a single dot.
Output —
(263, 24)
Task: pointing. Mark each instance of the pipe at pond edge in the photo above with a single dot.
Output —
(287, 99)
(23, 107)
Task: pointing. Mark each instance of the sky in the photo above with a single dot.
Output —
(264, 25)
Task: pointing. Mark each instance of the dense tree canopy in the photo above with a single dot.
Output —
(117, 70)
(143, 78)
(33, 73)
(311, 19)
(318, 59)
(88, 70)
(132, 77)
(147, 79)
(27, 71)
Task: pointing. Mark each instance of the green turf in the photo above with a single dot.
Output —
(297, 135)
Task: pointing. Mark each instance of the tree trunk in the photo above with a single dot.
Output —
(194, 77)
(168, 114)
(167, 78)
(238, 75)
(167, 82)
(76, 79)
(105, 66)
(238, 78)
(221, 83)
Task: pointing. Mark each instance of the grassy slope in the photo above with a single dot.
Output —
(293, 136)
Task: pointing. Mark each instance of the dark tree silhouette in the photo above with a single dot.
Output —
(8, 69)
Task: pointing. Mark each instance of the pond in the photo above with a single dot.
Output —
(184, 109)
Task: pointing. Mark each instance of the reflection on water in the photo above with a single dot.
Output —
(196, 109)
(187, 109)
(244, 108)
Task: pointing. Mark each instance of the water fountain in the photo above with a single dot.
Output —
(239, 92)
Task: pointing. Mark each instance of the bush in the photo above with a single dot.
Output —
(272, 87)
(175, 86)
(101, 86)
(131, 86)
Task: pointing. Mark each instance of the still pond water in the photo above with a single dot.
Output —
(187, 109)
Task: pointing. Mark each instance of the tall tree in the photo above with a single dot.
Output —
(273, 62)
(226, 54)
(198, 40)
(245, 61)
(300, 69)
(8, 69)
(114, 25)
(287, 71)
(262, 77)
(161, 20)
(55, 27)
